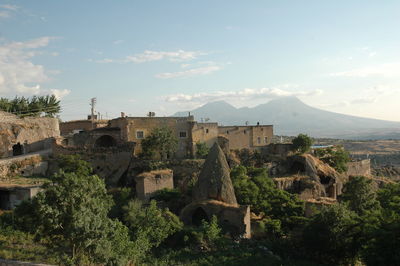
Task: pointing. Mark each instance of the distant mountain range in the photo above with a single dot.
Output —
(290, 116)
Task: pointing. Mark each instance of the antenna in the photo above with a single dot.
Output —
(93, 102)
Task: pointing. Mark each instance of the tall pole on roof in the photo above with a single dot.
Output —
(93, 102)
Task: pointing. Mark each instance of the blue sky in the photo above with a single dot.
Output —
(168, 56)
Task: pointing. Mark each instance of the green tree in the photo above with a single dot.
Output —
(201, 150)
(302, 143)
(74, 164)
(383, 239)
(21, 106)
(331, 237)
(72, 213)
(160, 144)
(253, 187)
(359, 194)
(337, 157)
(149, 226)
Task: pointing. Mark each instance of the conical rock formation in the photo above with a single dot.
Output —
(214, 180)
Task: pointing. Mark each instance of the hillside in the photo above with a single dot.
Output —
(290, 116)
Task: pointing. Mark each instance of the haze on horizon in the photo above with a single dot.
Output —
(169, 56)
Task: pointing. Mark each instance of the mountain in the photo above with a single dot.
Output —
(290, 116)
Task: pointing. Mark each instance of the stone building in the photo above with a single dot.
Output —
(214, 195)
(20, 136)
(247, 137)
(12, 195)
(148, 183)
(76, 126)
(186, 129)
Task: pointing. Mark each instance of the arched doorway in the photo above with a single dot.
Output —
(18, 149)
(198, 216)
(105, 141)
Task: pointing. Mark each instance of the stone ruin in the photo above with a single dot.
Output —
(214, 195)
(148, 183)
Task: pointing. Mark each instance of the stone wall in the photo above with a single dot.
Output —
(71, 127)
(247, 137)
(24, 135)
(150, 182)
(108, 163)
(132, 126)
(204, 132)
(359, 168)
(236, 218)
(12, 195)
(28, 165)
(278, 149)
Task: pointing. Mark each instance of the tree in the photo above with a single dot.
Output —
(254, 188)
(383, 245)
(337, 157)
(72, 212)
(149, 226)
(161, 143)
(21, 106)
(331, 237)
(359, 194)
(201, 150)
(302, 143)
(74, 164)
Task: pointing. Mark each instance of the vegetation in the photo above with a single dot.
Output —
(280, 210)
(76, 221)
(331, 236)
(160, 144)
(302, 143)
(201, 150)
(337, 157)
(359, 195)
(48, 105)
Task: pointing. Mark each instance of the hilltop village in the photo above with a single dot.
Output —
(113, 148)
(204, 167)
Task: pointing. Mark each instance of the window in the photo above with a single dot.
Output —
(258, 140)
(265, 139)
(207, 130)
(139, 134)
(182, 134)
(244, 131)
(227, 132)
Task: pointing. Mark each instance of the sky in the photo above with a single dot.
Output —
(168, 56)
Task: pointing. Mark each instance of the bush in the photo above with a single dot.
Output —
(302, 143)
(331, 237)
(253, 187)
(201, 150)
(160, 144)
(337, 157)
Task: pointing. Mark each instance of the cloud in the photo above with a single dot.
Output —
(189, 73)
(9, 7)
(18, 74)
(60, 93)
(387, 70)
(245, 94)
(149, 56)
(116, 42)
(346, 103)
(4, 14)
(179, 55)
(6, 10)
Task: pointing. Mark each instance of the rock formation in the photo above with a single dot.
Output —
(214, 180)
(214, 195)
(24, 135)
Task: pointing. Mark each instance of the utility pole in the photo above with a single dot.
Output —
(93, 102)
